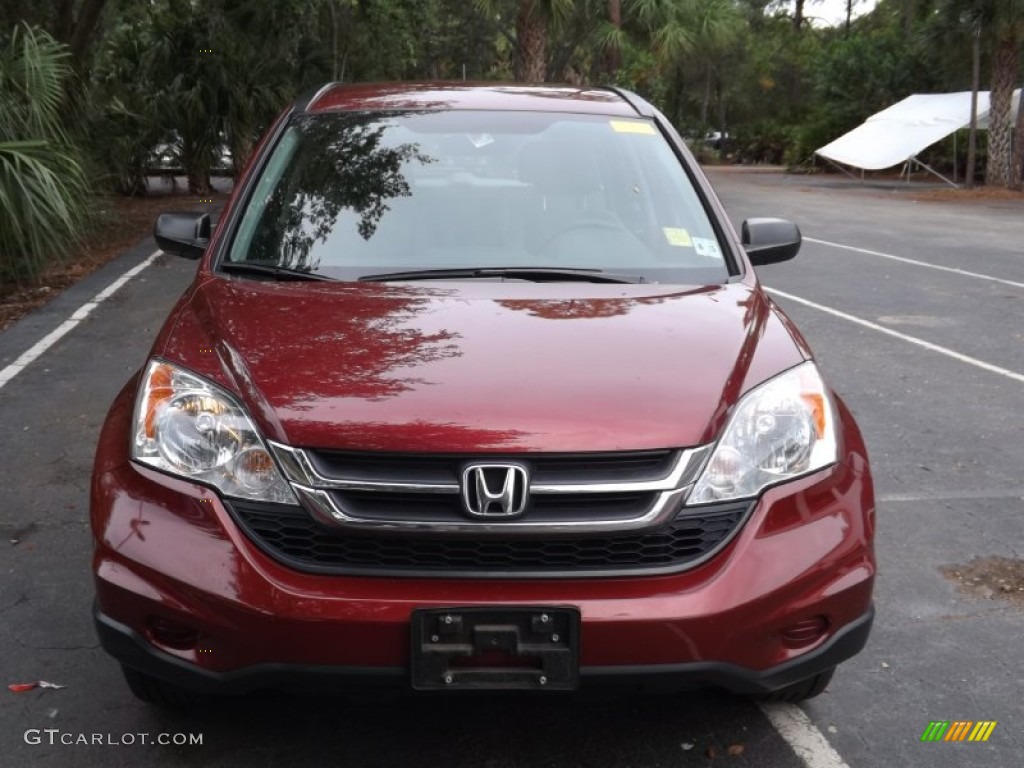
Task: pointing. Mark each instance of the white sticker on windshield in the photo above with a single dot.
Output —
(706, 247)
(480, 139)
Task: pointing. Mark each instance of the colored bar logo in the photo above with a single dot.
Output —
(958, 730)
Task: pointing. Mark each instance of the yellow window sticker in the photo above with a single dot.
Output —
(632, 126)
(678, 237)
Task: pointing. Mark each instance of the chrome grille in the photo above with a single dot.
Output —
(545, 468)
(582, 494)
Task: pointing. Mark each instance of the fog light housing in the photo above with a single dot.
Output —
(805, 632)
(172, 634)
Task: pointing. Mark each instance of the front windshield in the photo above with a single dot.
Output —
(347, 195)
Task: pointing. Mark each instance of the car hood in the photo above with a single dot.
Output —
(482, 366)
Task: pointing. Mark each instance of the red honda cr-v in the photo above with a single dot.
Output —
(475, 388)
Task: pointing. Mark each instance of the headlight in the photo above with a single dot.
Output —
(783, 429)
(190, 427)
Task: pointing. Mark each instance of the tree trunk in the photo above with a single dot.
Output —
(1000, 130)
(615, 13)
(972, 133)
(706, 102)
(196, 161)
(78, 32)
(241, 151)
(199, 181)
(798, 15)
(613, 56)
(65, 20)
(531, 42)
(1017, 155)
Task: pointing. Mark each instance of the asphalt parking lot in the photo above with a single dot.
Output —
(916, 313)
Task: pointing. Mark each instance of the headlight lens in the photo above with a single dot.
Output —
(190, 427)
(781, 430)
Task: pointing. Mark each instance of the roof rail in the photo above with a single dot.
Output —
(641, 105)
(304, 103)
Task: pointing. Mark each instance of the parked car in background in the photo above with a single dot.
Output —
(718, 140)
(476, 388)
(165, 158)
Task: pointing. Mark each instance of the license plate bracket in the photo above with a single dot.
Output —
(520, 648)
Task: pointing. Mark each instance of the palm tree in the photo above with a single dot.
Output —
(126, 111)
(533, 20)
(183, 64)
(1007, 25)
(43, 189)
(681, 27)
(613, 49)
(1004, 20)
(259, 57)
(1000, 24)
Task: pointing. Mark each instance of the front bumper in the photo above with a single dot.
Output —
(169, 550)
(126, 645)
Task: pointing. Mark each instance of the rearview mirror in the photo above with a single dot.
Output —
(768, 241)
(183, 234)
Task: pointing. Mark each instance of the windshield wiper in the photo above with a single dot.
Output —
(271, 270)
(534, 274)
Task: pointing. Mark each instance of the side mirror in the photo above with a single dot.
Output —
(183, 234)
(768, 241)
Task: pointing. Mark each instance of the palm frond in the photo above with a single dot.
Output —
(42, 194)
(33, 70)
(674, 39)
(610, 38)
(43, 189)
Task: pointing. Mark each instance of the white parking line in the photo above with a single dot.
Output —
(897, 335)
(917, 263)
(77, 316)
(802, 735)
(1011, 493)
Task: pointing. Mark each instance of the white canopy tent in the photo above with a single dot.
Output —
(899, 133)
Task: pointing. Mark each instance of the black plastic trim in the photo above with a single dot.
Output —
(640, 105)
(242, 195)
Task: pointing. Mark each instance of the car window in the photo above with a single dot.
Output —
(350, 194)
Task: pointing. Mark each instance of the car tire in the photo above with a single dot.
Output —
(801, 691)
(152, 690)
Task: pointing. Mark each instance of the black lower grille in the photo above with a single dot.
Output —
(290, 535)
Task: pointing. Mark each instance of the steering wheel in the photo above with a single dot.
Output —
(606, 225)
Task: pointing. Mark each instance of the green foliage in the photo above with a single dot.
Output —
(855, 76)
(199, 75)
(766, 141)
(215, 72)
(125, 121)
(43, 189)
